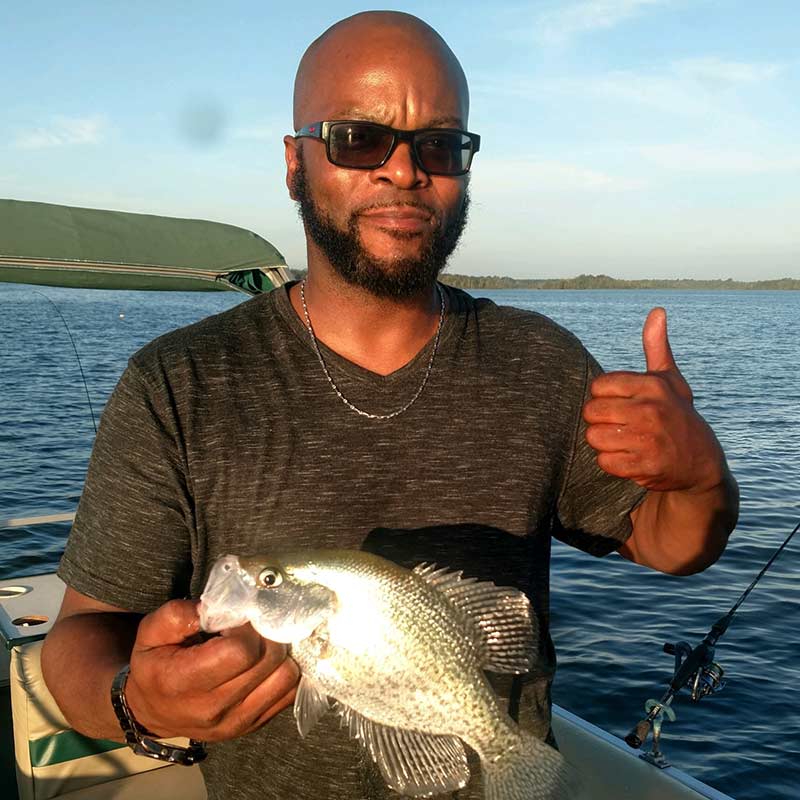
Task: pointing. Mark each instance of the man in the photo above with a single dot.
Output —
(365, 407)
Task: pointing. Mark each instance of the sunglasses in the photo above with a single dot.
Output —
(356, 144)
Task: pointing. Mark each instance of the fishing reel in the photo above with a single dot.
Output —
(696, 670)
(707, 678)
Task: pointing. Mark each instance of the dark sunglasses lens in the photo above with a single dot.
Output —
(444, 152)
(358, 145)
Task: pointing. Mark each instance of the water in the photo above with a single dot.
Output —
(738, 350)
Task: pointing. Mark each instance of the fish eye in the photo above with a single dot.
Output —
(269, 578)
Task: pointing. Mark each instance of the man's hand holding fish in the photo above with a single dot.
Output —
(211, 690)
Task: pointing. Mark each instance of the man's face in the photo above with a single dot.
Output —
(389, 229)
(398, 276)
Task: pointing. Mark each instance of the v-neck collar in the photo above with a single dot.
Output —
(339, 364)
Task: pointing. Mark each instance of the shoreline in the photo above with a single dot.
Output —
(607, 282)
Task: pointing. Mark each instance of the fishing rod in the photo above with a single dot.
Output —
(77, 355)
(695, 668)
(41, 519)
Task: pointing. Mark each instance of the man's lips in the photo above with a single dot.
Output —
(400, 218)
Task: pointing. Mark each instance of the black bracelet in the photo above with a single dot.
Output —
(142, 741)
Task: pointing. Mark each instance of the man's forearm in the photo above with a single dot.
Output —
(683, 532)
(81, 656)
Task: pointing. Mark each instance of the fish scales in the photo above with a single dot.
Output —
(398, 654)
(406, 674)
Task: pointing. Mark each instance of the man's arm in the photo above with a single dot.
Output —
(683, 532)
(88, 644)
(178, 685)
(644, 427)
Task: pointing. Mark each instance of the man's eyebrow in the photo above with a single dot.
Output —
(445, 122)
(359, 114)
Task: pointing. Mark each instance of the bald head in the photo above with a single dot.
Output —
(356, 67)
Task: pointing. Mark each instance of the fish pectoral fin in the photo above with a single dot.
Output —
(501, 617)
(310, 703)
(412, 763)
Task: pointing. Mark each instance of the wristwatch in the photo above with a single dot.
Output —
(142, 741)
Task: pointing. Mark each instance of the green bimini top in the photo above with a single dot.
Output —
(87, 248)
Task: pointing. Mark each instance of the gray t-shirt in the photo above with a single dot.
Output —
(226, 437)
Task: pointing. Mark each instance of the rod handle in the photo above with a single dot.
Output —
(638, 735)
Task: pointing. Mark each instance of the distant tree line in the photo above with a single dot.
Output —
(606, 282)
(599, 282)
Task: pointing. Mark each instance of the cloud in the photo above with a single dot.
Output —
(716, 69)
(661, 91)
(64, 132)
(531, 176)
(691, 87)
(560, 24)
(698, 158)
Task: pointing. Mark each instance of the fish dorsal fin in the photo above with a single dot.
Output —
(412, 763)
(502, 617)
(309, 704)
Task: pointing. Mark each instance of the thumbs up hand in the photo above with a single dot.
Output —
(644, 426)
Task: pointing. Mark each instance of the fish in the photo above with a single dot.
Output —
(399, 655)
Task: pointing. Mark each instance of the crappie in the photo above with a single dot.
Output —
(398, 654)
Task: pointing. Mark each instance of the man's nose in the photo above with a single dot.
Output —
(401, 169)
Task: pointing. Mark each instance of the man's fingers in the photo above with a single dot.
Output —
(172, 623)
(205, 666)
(620, 384)
(239, 684)
(609, 438)
(657, 351)
(608, 410)
(271, 692)
(271, 695)
(267, 715)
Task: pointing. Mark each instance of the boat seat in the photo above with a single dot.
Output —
(54, 761)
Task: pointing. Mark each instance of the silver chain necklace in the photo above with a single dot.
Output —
(333, 383)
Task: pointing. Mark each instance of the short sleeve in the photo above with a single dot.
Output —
(130, 545)
(593, 512)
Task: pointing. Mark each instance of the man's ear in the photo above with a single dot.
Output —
(290, 145)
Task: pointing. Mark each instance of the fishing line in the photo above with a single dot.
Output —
(77, 355)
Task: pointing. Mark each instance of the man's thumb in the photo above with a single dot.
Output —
(657, 351)
(172, 623)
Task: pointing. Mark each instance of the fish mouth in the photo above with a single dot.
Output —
(228, 598)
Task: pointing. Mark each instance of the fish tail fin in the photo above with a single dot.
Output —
(529, 770)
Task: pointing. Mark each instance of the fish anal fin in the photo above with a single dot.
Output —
(530, 769)
(501, 617)
(412, 763)
(309, 705)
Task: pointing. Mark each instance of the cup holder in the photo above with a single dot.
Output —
(29, 621)
(7, 592)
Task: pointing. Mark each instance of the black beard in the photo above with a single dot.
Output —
(398, 279)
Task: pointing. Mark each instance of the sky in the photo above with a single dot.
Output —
(632, 138)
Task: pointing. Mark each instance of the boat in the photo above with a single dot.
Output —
(41, 757)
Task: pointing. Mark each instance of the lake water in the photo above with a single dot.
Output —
(739, 351)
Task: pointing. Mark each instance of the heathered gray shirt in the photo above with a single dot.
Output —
(226, 437)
